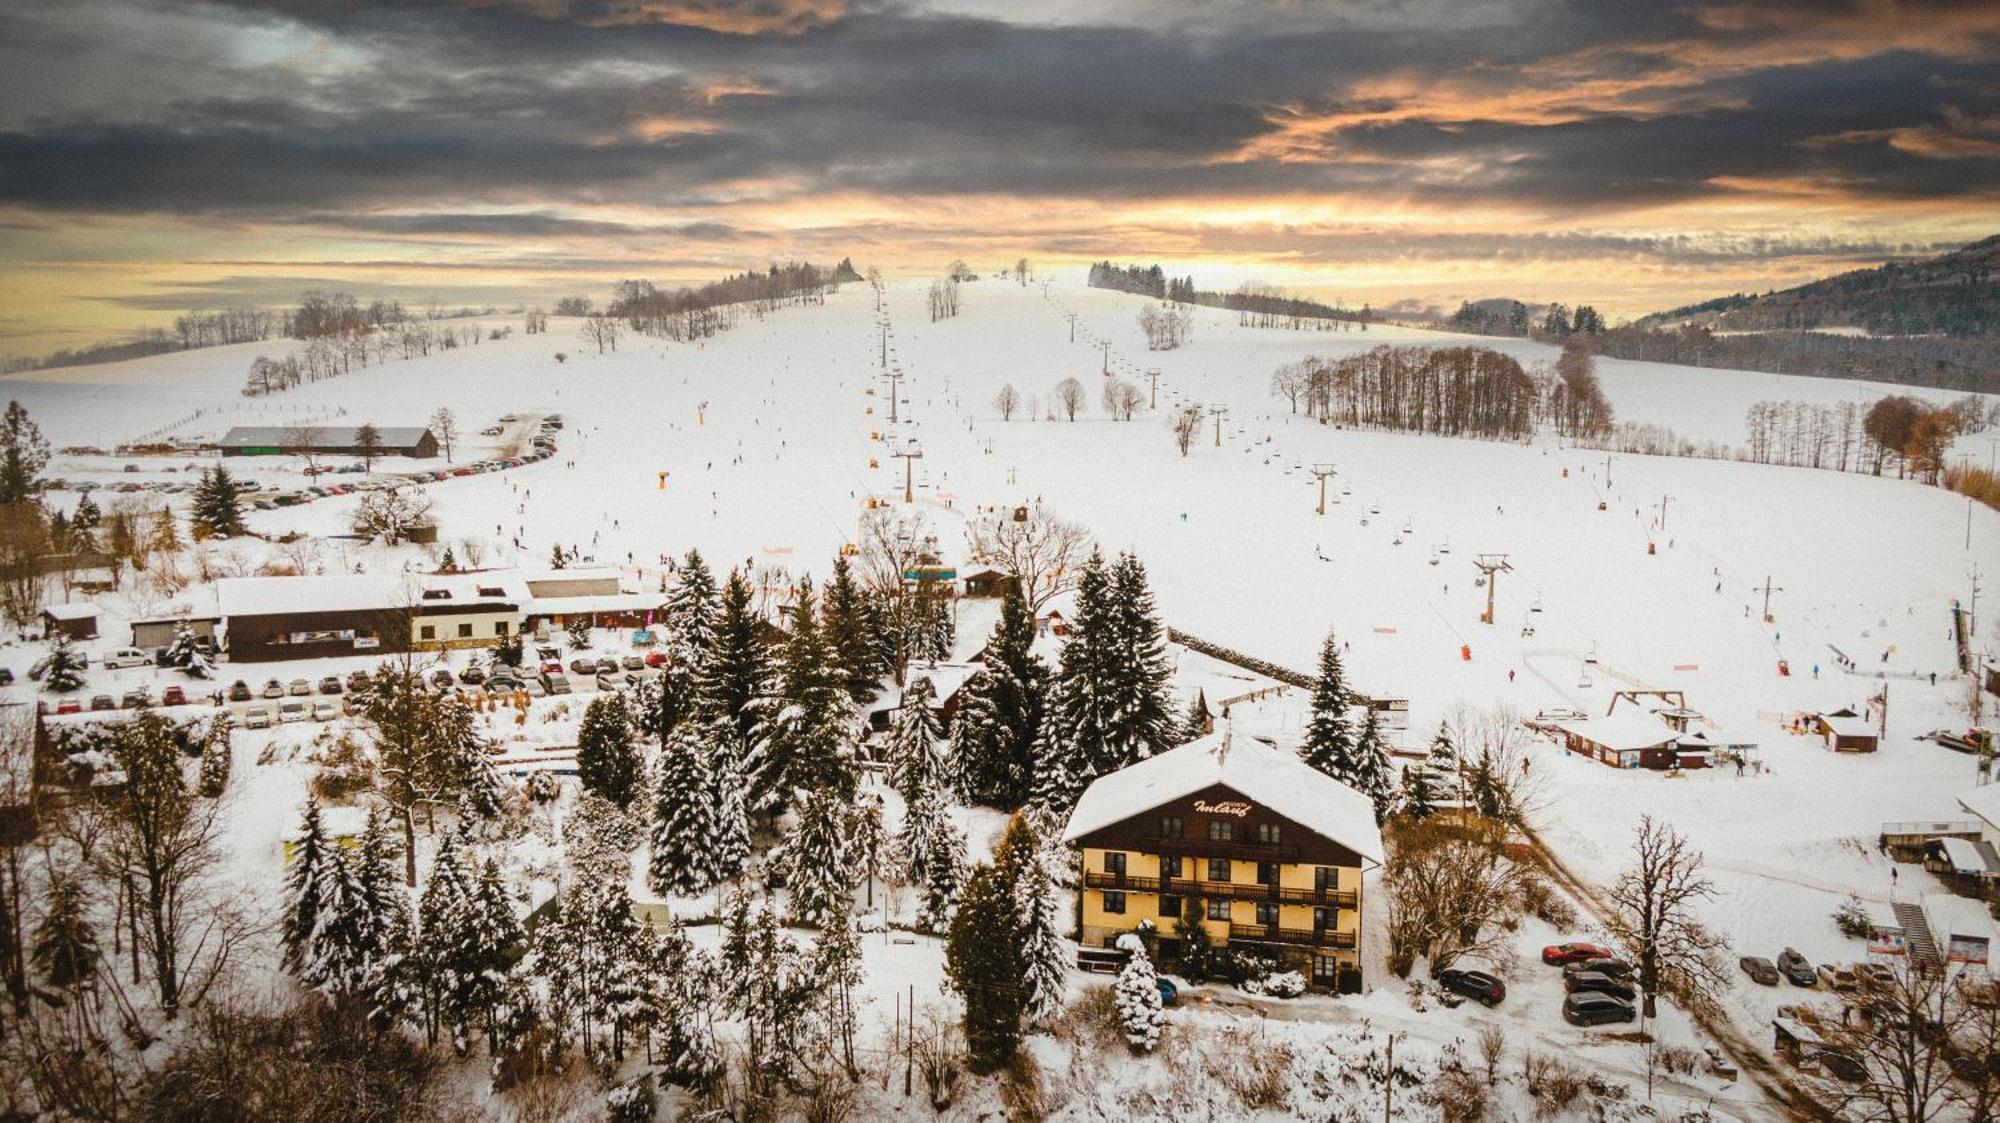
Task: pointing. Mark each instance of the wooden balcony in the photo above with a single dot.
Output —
(1306, 937)
(1233, 890)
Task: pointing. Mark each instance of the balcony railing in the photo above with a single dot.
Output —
(1241, 849)
(1234, 890)
(1310, 937)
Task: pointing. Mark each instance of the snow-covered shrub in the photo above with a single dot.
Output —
(633, 1102)
(542, 787)
(1090, 1021)
(1138, 993)
(1681, 1060)
(1253, 1065)
(1554, 1083)
(1852, 918)
(1277, 984)
(1459, 1096)
(1026, 1093)
(1541, 901)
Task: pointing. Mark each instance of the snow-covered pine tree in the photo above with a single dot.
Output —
(806, 738)
(1138, 996)
(684, 1034)
(1374, 774)
(873, 848)
(1197, 721)
(817, 861)
(88, 516)
(1419, 795)
(497, 930)
(626, 957)
(1146, 723)
(213, 775)
(737, 671)
(693, 606)
(1329, 740)
(336, 959)
(383, 896)
(217, 507)
(850, 634)
(687, 627)
(982, 962)
(607, 759)
(685, 828)
(464, 754)
(730, 798)
(914, 763)
(933, 851)
(451, 941)
(1444, 761)
(182, 652)
(832, 969)
(305, 890)
(1044, 957)
(579, 631)
(65, 952)
(1000, 713)
(937, 629)
(65, 669)
(1109, 707)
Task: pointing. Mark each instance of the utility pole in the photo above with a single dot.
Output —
(1154, 374)
(1217, 412)
(1663, 511)
(1389, 1081)
(885, 345)
(1322, 472)
(1107, 356)
(1607, 472)
(1072, 326)
(1767, 590)
(1492, 566)
(909, 456)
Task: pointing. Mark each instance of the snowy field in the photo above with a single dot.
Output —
(768, 438)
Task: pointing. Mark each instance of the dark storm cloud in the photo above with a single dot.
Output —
(538, 102)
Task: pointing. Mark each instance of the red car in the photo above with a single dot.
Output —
(68, 706)
(173, 696)
(1558, 955)
(656, 658)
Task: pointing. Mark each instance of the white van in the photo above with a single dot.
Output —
(127, 657)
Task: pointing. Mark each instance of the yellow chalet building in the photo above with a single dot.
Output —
(1270, 851)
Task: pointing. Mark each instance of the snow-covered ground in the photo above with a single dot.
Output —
(775, 436)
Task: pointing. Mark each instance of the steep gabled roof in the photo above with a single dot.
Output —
(1271, 777)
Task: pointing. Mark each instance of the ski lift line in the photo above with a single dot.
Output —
(1453, 628)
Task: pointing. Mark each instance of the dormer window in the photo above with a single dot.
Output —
(492, 591)
(437, 594)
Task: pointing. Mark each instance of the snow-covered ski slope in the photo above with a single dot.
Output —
(766, 434)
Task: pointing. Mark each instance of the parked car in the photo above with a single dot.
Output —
(136, 699)
(1761, 971)
(1596, 983)
(300, 688)
(555, 683)
(1838, 978)
(1589, 1008)
(656, 658)
(326, 709)
(290, 710)
(1796, 968)
(605, 664)
(632, 663)
(331, 685)
(173, 695)
(535, 688)
(273, 689)
(68, 706)
(582, 666)
(1170, 995)
(1476, 985)
(472, 675)
(127, 657)
(441, 678)
(6, 676)
(357, 680)
(1616, 968)
(103, 702)
(610, 680)
(257, 717)
(502, 684)
(1561, 954)
(239, 691)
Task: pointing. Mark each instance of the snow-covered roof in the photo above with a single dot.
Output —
(346, 592)
(1848, 726)
(1716, 739)
(1264, 775)
(1983, 801)
(339, 821)
(1623, 731)
(595, 602)
(1949, 916)
(319, 436)
(74, 610)
(1967, 857)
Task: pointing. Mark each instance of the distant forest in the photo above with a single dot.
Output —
(1255, 304)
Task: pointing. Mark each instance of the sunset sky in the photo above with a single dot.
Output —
(162, 155)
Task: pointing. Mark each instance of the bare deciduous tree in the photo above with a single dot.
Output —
(602, 330)
(445, 427)
(1069, 397)
(1913, 1045)
(1042, 550)
(390, 514)
(1450, 886)
(1654, 921)
(1186, 423)
(1007, 401)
